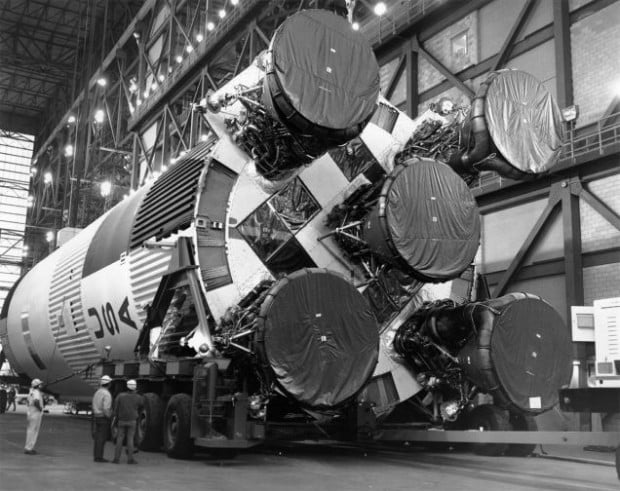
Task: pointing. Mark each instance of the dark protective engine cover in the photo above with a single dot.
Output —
(521, 353)
(524, 121)
(318, 336)
(326, 72)
(426, 218)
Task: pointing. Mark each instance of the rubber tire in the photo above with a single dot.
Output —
(150, 423)
(522, 422)
(178, 443)
(491, 418)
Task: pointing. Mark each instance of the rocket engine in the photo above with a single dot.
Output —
(294, 254)
(515, 348)
(319, 90)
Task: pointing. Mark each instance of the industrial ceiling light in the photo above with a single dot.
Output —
(69, 150)
(210, 26)
(204, 137)
(161, 77)
(199, 37)
(221, 13)
(234, 2)
(179, 59)
(47, 178)
(102, 82)
(105, 188)
(71, 119)
(189, 48)
(355, 26)
(99, 116)
(49, 236)
(380, 9)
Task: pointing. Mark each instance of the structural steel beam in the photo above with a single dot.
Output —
(522, 18)
(193, 63)
(573, 269)
(555, 197)
(411, 72)
(563, 64)
(457, 82)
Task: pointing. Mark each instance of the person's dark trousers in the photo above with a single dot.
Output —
(101, 432)
(126, 430)
(3, 399)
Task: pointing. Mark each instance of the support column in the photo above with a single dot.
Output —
(563, 63)
(573, 274)
(411, 72)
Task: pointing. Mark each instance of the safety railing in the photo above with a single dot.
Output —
(599, 140)
(378, 29)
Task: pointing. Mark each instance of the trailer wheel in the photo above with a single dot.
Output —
(488, 418)
(150, 420)
(522, 422)
(177, 423)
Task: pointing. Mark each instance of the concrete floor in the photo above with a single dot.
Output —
(65, 462)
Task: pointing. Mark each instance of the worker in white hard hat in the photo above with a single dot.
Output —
(102, 416)
(127, 408)
(34, 414)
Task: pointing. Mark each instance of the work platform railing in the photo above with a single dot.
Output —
(581, 145)
(401, 15)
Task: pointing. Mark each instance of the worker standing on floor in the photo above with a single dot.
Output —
(102, 415)
(34, 415)
(127, 407)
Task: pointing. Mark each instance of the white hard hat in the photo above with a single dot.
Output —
(36, 382)
(105, 380)
(131, 384)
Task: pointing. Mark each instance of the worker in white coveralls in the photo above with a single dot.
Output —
(34, 414)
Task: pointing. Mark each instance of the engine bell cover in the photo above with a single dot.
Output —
(319, 336)
(432, 219)
(327, 70)
(524, 121)
(531, 352)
